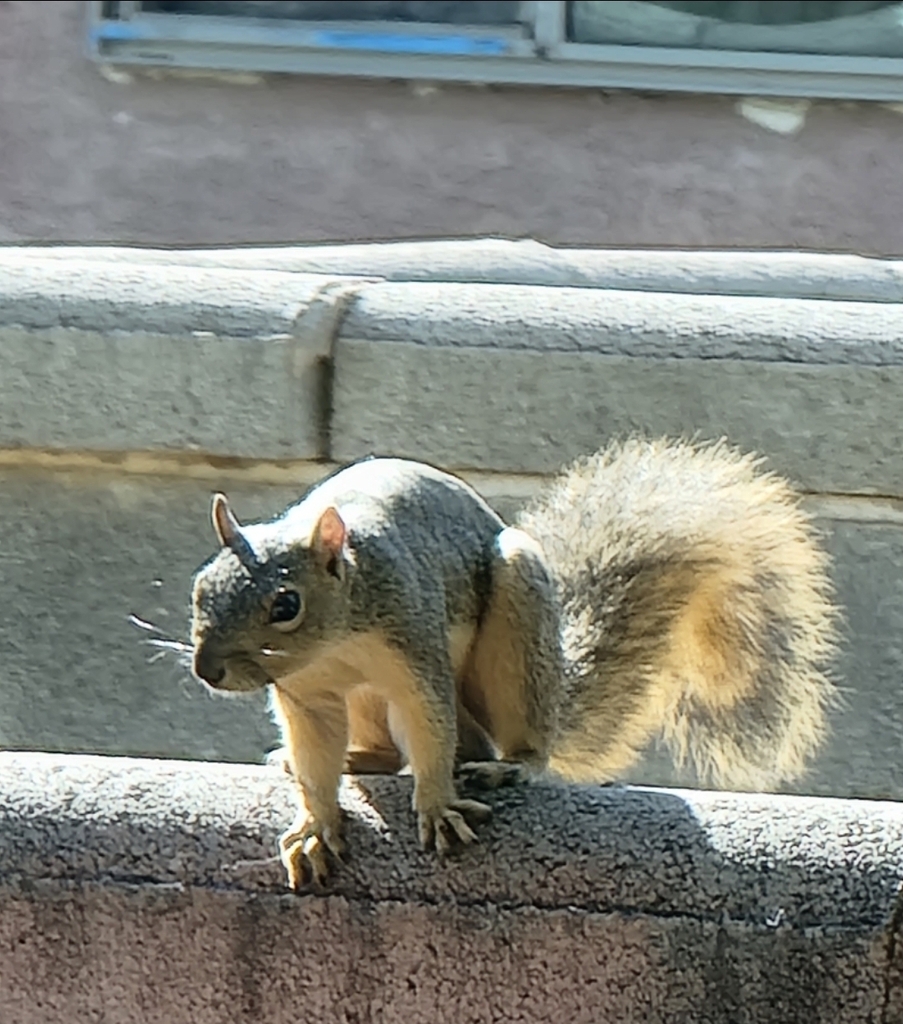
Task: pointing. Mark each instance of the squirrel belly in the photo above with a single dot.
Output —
(695, 603)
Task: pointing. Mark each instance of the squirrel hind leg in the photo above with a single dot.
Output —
(512, 681)
(371, 749)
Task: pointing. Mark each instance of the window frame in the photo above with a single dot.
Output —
(483, 54)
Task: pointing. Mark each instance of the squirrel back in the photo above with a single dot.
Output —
(695, 603)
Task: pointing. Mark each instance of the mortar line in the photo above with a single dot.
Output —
(839, 505)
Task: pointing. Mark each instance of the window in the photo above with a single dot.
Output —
(873, 29)
(468, 12)
(851, 49)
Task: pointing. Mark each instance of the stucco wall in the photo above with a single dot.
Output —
(177, 162)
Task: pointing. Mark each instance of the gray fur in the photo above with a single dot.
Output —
(421, 546)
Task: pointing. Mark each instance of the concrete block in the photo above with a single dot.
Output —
(830, 427)
(134, 884)
(527, 262)
(113, 357)
(864, 757)
(525, 379)
(630, 323)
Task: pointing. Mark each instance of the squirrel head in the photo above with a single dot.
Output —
(263, 605)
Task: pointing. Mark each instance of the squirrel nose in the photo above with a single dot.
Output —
(208, 667)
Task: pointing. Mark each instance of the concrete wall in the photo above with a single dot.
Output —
(134, 384)
(147, 892)
(190, 162)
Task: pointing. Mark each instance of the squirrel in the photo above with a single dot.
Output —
(656, 588)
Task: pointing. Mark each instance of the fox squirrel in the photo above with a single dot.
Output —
(657, 587)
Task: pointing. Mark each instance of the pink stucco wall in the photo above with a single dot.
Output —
(176, 162)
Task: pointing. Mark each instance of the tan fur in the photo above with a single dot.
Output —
(750, 614)
(506, 696)
(371, 748)
(361, 675)
(364, 677)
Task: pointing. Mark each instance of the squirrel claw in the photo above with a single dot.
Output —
(440, 827)
(307, 850)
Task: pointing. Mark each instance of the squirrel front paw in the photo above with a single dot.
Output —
(307, 848)
(440, 827)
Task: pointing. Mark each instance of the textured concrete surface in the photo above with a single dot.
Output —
(114, 357)
(111, 356)
(192, 162)
(866, 750)
(812, 384)
(118, 295)
(141, 891)
(830, 428)
(616, 322)
(528, 262)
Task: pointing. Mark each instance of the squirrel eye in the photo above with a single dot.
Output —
(287, 610)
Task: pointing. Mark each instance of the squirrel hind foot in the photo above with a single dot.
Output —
(491, 775)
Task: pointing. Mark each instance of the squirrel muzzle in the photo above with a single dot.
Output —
(208, 667)
(234, 673)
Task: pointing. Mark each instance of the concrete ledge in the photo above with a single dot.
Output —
(662, 325)
(832, 429)
(146, 890)
(515, 379)
(118, 295)
(120, 356)
(112, 356)
(527, 262)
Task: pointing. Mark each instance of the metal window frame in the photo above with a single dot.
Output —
(485, 54)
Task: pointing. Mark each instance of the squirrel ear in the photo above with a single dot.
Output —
(227, 527)
(329, 540)
(228, 530)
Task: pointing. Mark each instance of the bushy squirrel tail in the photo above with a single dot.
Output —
(696, 605)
